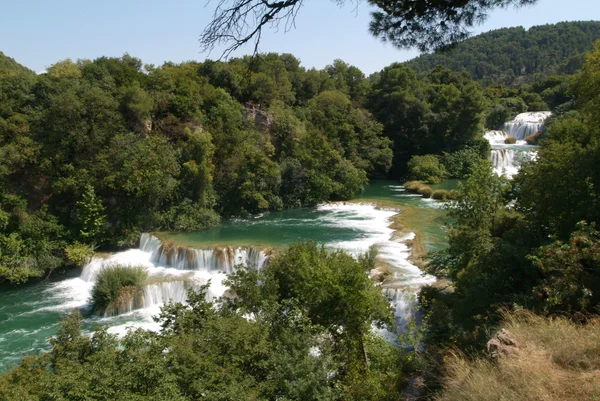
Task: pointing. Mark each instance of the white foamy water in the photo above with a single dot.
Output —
(406, 278)
(173, 271)
(508, 158)
(526, 124)
(167, 282)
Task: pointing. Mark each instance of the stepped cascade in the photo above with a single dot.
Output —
(508, 157)
(526, 124)
(173, 270)
(217, 259)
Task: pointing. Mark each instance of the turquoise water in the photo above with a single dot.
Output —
(322, 224)
(30, 315)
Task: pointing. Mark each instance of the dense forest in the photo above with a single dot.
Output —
(94, 152)
(514, 56)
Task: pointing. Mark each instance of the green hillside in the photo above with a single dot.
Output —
(9, 64)
(512, 56)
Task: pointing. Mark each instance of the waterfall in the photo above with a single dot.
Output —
(223, 259)
(526, 124)
(161, 293)
(404, 304)
(172, 270)
(149, 243)
(507, 158)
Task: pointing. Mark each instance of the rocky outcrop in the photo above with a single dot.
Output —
(501, 345)
(262, 120)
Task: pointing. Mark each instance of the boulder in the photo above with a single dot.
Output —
(501, 345)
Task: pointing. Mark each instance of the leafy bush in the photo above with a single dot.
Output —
(459, 164)
(412, 186)
(78, 254)
(511, 140)
(440, 194)
(504, 110)
(189, 216)
(426, 191)
(452, 194)
(571, 271)
(111, 280)
(427, 168)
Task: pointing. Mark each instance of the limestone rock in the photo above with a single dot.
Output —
(502, 344)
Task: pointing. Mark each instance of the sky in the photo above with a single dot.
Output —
(38, 33)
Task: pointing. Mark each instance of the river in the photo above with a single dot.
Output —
(30, 315)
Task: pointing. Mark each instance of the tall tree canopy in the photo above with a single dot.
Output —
(424, 24)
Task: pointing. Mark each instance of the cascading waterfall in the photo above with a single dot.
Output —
(223, 259)
(172, 270)
(526, 124)
(351, 227)
(507, 158)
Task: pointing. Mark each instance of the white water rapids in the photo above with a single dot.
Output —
(173, 270)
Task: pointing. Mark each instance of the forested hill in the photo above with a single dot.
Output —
(511, 56)
(9, 64)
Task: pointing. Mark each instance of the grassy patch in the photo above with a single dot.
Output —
(556, 360)
(116, 285)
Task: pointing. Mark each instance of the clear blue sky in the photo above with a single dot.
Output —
(38, 33)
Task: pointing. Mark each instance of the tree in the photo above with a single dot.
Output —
(424, 24)
(91, 216)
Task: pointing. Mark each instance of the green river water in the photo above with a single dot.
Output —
(29, 315)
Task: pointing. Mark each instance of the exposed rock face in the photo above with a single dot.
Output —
(262, 120)
(147, 126)
(502, 344)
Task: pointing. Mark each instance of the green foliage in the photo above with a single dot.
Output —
(426, 191)
(31, 245)
(545, 49)
(460, 163)
(91, 215)
(440, 194)
(443, 112)
(188, 216)
(530, 244)
(570, 272)
(77, 254)
(112, 280)
(427, 168)
(299, 329)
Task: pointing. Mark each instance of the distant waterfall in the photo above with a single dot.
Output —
(507, 158)
(526, 124)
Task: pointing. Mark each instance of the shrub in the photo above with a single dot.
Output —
(534, 138)
(452, 194)
(427, 168)
(111, 280)
(439, 194)
(426, 191)
(189, 216)
(78, 254)
(413, 186)
(460, 163)
(510, 140)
